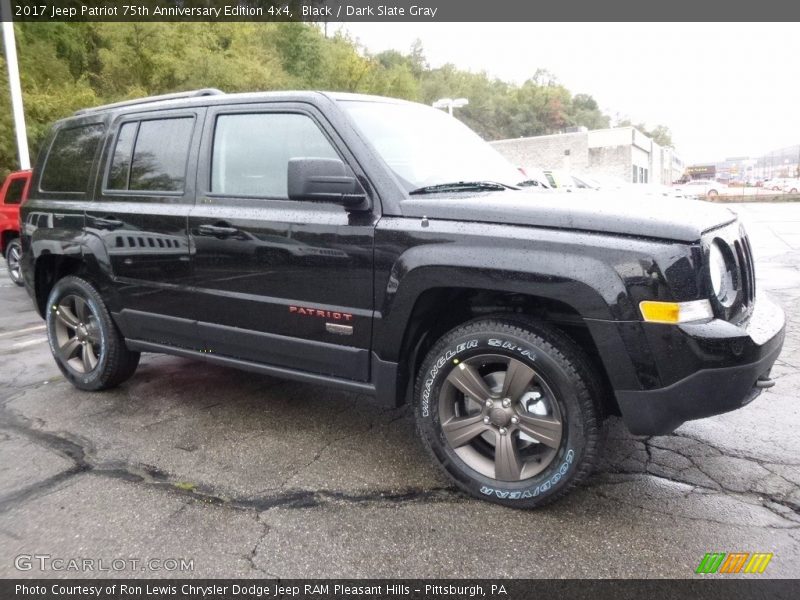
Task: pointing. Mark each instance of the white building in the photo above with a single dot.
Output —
(623, 152)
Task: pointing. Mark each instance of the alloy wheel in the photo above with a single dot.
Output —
(13, 259)
(79, 342)
(500, 417)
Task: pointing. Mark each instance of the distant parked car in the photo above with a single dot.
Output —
(13, 192)
(567, 181)
(611, 183)
(702, 188)
(791, 186)
(534, 177)
(776, 184)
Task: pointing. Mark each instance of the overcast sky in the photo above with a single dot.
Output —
(723, 89)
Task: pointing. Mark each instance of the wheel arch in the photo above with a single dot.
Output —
(48, 269)
(439, 309)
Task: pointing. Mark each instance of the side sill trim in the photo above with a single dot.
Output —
(358, 387)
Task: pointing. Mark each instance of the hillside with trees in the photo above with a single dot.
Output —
(65, 67)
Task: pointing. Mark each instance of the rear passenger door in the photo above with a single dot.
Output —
(280, 282)
(139, 222)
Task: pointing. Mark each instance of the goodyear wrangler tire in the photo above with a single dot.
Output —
(508, 409)
(85, 342)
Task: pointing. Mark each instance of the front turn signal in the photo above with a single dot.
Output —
(676, 312)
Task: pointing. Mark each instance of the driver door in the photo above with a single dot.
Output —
(279, 282)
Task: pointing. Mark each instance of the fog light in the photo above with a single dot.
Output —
(676, 312)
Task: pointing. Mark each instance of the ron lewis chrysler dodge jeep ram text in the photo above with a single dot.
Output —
(382, 247)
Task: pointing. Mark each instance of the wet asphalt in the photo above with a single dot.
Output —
(251, 476)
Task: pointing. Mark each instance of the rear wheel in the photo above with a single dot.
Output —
(509, 410)
(13, 256)
(87, 346)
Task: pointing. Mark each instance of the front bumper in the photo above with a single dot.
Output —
(725, 362)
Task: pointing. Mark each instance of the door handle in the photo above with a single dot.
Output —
(217, 230)
(107, 223)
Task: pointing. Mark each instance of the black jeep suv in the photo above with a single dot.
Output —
(382, 247)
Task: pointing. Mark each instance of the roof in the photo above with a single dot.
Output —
(215, 96)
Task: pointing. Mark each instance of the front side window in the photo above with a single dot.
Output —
(14, 191)
(69, 162)
(151, 155)
(251, 152)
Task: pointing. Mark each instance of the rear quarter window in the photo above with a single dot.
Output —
(151, 155)
(69, 162)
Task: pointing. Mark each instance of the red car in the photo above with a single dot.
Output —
(12, 194)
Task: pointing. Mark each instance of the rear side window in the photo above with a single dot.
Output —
(14, 192)
(151, 155)
(252, 151)
(69, 162)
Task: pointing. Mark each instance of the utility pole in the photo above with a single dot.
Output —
(14, 86)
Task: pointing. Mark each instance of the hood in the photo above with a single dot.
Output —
(618, 212)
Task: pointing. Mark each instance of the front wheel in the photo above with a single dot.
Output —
(87, 346)
(509, 410)
(13, 257)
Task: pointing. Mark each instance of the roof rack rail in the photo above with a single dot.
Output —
(175, 96)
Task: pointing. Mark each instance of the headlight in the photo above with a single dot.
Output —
(721, 270)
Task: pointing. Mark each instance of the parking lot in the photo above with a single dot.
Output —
(250, 476)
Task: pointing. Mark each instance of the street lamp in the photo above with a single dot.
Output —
(450, 104)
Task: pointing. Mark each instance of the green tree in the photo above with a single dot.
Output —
(67, 66)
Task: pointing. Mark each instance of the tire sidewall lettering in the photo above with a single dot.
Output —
(443, 359)
(534, 491)
(449, 354)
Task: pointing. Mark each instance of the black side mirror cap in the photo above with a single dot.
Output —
(325, 180)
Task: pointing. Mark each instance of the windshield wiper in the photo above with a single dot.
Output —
(463, 186)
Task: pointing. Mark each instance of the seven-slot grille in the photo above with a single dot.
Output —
(744, 256)
(739, 259)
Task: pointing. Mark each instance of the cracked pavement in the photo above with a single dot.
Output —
(252, 476)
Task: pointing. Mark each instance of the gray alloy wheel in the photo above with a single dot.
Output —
(79, 342)
(508, 408)
(13, 257)
(85, 342)
(500, 417)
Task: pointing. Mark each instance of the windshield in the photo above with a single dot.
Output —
(425, 146)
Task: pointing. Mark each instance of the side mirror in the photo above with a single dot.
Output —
(324, 180)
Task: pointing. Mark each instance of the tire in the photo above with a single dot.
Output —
(85, 342)
(13, 256)
(713, 193)
(793, 191)
(562, 388)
